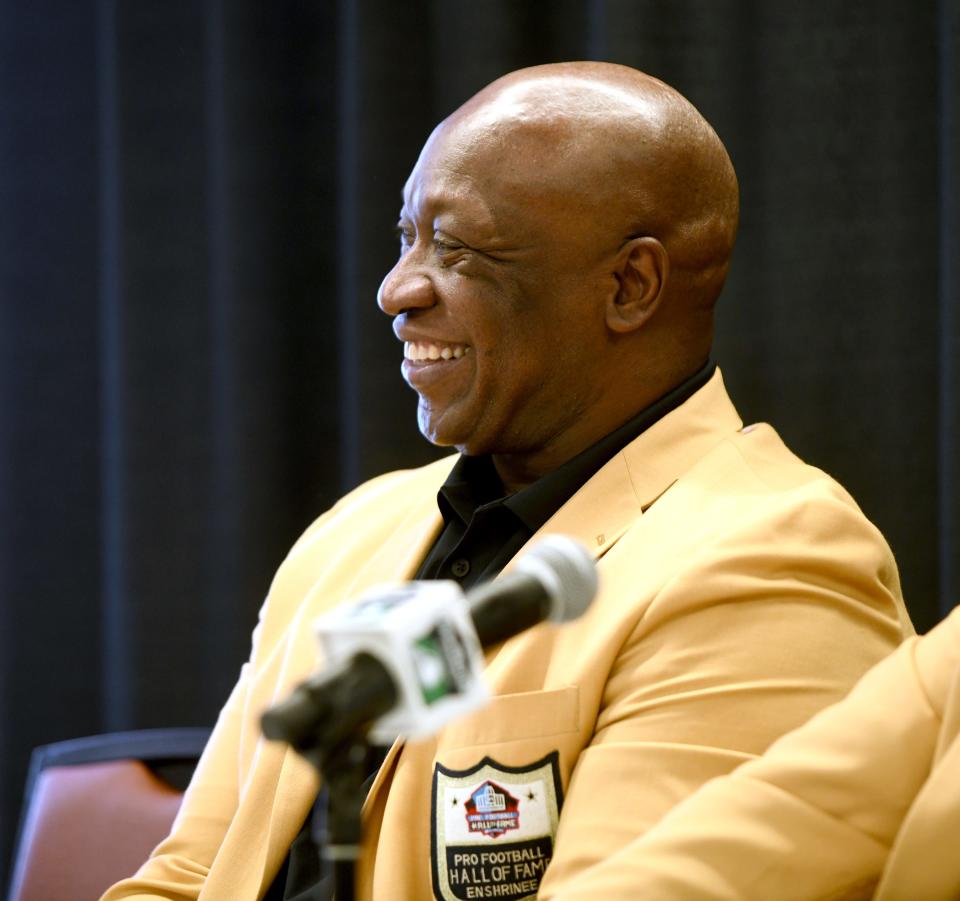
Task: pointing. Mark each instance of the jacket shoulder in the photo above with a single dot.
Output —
(378, 501)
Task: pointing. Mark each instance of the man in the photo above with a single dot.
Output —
(564, 237)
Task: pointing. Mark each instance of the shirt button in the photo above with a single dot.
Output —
(460, 567)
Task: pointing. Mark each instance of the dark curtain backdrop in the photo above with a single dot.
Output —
(196, 208)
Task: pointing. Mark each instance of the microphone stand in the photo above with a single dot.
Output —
(327, 724)
(337, 829)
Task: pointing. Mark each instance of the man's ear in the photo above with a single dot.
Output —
(643, 268)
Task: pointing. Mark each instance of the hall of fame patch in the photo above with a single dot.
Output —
(493, 828)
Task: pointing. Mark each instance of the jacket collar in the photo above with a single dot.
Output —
(618, 494)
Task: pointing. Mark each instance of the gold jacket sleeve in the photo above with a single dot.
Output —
(861, 802)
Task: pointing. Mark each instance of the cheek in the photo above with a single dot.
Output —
(518, 386)
(511, 364)
(564, 365)
(524, 342)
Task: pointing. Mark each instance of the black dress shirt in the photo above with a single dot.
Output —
(483, 529)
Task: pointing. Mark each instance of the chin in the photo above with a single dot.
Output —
(465, 444)
(451, 428)
(432, 428)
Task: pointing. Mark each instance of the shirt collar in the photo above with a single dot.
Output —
(473, 482)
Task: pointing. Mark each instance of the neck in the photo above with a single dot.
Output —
(517, 470)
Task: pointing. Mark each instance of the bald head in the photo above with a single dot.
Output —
(627, 144)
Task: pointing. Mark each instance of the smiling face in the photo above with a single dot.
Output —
(498, 297)
(564, 236)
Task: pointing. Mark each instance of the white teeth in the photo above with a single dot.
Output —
(418, 353)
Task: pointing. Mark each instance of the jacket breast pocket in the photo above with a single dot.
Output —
(515, 717)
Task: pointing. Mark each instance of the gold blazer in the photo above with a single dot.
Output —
(741, 591)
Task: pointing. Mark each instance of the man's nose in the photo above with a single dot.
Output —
(406, 287)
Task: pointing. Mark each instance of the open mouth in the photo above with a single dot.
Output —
(430, 352)
(430, 366)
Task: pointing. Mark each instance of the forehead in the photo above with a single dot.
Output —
(450, 176)
(495, 180)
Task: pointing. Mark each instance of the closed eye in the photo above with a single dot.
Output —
(444, 245)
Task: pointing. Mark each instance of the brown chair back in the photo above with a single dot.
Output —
(88, 824)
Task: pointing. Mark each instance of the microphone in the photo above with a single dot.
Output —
(556, 580)
(407, 659)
